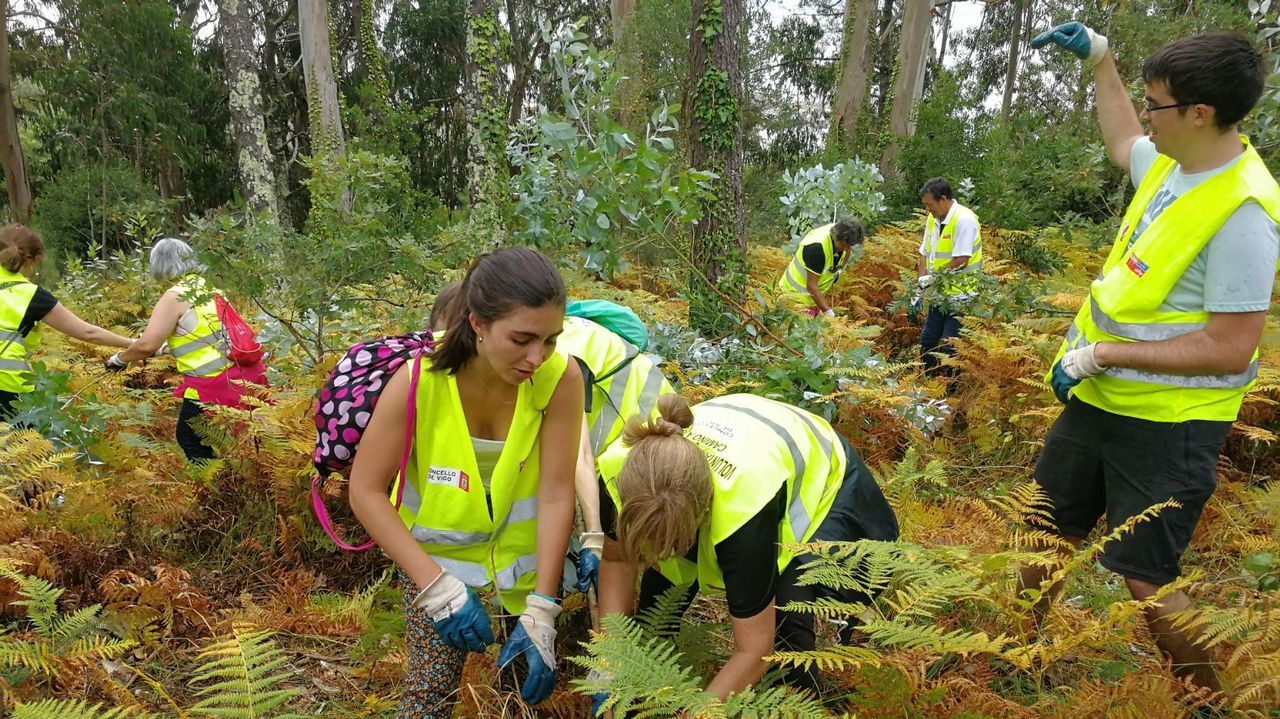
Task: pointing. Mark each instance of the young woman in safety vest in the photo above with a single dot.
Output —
(185, 323)
(489, 493)
(622, 382)
(23, 306)
(701, 498)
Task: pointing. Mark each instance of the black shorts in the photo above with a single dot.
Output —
(860, 510)
(1097, 464)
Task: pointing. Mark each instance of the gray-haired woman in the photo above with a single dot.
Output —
(186, 320)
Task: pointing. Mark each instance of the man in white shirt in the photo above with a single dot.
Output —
(950, 252)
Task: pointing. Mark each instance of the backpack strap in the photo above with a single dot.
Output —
(410, 426)
(411, 420)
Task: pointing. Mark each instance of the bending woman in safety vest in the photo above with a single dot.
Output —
(707, 495)
(185, 323)
(489, 491)
(622, 382)
(23, 306)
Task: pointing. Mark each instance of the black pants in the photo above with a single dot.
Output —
(935, 338)
(860, 511)
(190, 442)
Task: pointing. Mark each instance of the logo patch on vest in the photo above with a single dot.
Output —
(449, 477)
(1136, 266)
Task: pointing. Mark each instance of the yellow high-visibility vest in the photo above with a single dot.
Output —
(794, 281)
(444, 504)
(629, 392)
(204, 351)
(754, 446)
(1124, 301)
(16, 293)
(943, 248)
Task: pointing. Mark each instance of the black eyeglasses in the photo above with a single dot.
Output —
(1149, 109)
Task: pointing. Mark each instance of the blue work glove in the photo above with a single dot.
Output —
(599, 698)
(1076, 38)
(456, 612)
(1062, 382)
(534, 638)
(1075, 366)
(588, 562)
(597, 703)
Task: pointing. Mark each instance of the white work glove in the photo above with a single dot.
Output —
(115, 364)
(539, 622)
(1076, 38)
(924, 281)
(164, 350)
(1081, 363)
(830, 312)
(445, 596)
(593, 541)
(459, 618)
(536, 629)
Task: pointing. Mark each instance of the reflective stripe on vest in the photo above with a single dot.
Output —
(942, 247)
(1125, 301)
(617, 394)
(16, 293)
(480, 537)
(794, 282)
(204, 351)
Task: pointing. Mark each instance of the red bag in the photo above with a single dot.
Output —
(245, 348)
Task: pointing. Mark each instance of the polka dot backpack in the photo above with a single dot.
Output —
(346, 404)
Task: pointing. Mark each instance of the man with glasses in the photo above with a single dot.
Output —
(1158, 360)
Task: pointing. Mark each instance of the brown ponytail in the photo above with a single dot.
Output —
(664, 486)
(496, 284)
(19, 247)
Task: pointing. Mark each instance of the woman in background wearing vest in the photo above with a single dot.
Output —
(706, 494)
(489, 492)
(23, 305)
(622, 382)
(185, 323)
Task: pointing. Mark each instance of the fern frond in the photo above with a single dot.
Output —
(240, 678)
(665, 616)
(68, 709)
(830, 658)
(934, 638)
(644, 673)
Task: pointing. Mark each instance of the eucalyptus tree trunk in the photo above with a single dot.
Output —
(1020, 7)
(248, 129)
(908, 83)
(718, 247)
(851, 93)
(323, 110)
(620, 12)
(15, 167)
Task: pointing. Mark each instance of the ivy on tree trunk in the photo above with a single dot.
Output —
(718, 248)
(486, 121)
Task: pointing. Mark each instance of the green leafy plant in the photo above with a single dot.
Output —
(582, 179)
(815, 196)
